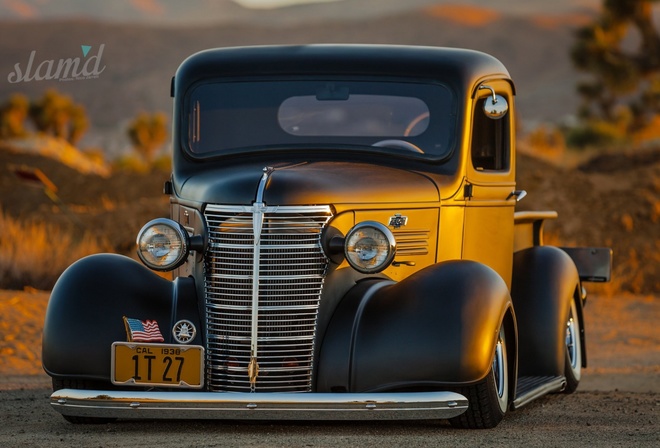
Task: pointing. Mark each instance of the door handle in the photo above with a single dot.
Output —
(518, 194)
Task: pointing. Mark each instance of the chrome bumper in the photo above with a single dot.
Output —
(258, 406)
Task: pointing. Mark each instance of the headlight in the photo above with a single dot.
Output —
(369, 247)
(162, 244)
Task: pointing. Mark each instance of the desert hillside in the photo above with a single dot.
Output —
(611, 200)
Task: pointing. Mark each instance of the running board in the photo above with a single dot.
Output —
(532, 387)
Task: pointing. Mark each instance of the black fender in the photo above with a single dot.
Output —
(86, 308)
(544, 283)
(436, 328)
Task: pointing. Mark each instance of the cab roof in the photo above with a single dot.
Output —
(461, 68)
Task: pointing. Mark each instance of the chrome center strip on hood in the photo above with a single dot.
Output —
(259, 208)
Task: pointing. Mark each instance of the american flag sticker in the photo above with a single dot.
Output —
(142, 330)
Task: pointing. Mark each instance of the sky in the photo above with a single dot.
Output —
(259, 4)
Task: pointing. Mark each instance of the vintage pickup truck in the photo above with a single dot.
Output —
(344, 245)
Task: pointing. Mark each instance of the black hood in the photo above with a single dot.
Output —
(310, 183)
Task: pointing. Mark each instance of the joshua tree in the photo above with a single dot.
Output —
(148, 132)
(13, 115)
(620, 51)
(58, 115)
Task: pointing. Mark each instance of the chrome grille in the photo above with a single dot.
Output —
(291, 268)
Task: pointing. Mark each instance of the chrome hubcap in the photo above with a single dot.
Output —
(498, 369)
(573, 349)
(571, 342)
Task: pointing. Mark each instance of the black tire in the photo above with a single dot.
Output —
(85, 385)
(573, 365)
(488, 400)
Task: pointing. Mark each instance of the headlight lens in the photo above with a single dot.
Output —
(162, 244)
(370, 247)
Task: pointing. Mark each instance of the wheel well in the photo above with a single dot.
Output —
(579, 302)
(511, 333)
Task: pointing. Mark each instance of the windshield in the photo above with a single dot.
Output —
(227, 117)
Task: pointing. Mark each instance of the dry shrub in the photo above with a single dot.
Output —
(627, 222)
(131, 163)
(35, 254)
(135, 163)
(163, 163)
(649, 133)
(655, 212)
(547, 143)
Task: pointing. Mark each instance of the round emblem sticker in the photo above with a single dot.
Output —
(184, 331)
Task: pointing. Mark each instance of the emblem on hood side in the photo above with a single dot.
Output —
(397, 221)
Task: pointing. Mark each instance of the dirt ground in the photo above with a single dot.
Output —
(617, 403)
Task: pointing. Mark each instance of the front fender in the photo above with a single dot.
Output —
(86, 308)
(435, 328)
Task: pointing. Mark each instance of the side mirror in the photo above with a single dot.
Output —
(495, 106)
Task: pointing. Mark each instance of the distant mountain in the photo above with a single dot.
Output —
(125, 11)
(139, 61)
(226, 11)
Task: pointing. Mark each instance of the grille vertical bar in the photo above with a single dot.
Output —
(292, 268)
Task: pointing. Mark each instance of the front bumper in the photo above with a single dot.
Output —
(258, 406)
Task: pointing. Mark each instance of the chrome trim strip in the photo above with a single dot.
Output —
(257, 405)
(265, 246)
(262, 183)
(269, 209)
(555, 384)
(257, 226)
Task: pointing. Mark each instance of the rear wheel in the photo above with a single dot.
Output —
(573, 365)
(86, 385)
(488, 400)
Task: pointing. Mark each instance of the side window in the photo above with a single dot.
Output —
(490, 141)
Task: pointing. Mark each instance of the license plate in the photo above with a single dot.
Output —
(138, 364)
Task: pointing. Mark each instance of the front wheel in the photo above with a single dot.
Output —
(573, 365)
(488, 400)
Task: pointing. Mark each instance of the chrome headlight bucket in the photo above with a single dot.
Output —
(369, 247)
(163, 244)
